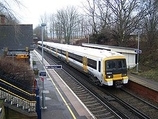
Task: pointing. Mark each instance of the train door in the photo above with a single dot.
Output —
(67, 56)
(56, 52)
(84, 61)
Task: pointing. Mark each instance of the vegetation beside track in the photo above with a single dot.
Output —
(149, 73)
(16, 72)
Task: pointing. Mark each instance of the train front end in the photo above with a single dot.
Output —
(115, 72)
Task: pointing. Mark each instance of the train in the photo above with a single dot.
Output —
(21, 55)
(104, 67)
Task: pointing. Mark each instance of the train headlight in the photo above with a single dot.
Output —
(124, 75)
(109, 76)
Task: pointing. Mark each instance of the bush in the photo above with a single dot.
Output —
(19, 73)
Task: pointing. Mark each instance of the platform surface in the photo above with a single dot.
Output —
(59, 100)
(144, 81)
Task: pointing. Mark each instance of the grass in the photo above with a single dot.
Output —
(146, 72)
(150, 74)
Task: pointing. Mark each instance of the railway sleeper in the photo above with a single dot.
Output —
(79, 87)
(81, 95)
(100, 110)
(103, 115)
(109, 98)
(92, 104)
(95, 80)
(86, 98)
(81, 91)
(90, 99)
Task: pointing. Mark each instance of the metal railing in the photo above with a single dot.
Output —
(17, 97)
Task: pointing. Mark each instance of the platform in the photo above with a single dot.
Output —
(145, 82)
(60, 101)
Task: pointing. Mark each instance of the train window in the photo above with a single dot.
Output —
(54, 49)
(92, 63)
(59, 51)
(63, 52)
(75, 57)
(136, 58)
(99, 65)
(70, 55)
(78, 58)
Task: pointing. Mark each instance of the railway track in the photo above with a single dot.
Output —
(103, 102)
(99, 109)
(137, 104)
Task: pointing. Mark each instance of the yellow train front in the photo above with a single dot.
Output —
(23, 58)
(21, 55)
(115, 71)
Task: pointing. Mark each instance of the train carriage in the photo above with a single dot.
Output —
(105, 67)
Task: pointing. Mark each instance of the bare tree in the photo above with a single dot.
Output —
(44, 19)
(150, 29)
(52, 21)
(104, 18)
(81, 28)
(67, 21)
(59, 31)
(5, 9)
(85, 28)
(104, 14)
(127, 15)
(90, 10)
(37, 32)
(117, 17)
(151, 23)
(98, 13)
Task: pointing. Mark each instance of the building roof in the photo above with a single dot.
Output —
(16, 36)
(112, 48)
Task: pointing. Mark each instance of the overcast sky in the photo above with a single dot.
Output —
(34, 9)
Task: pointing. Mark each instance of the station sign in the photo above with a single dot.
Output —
(54, 67)
(42, 73)
(138, 51)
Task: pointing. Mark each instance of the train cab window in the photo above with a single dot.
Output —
(123, 62)
(116, 64)
(110, 64)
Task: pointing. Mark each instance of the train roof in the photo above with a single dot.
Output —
(84, 51)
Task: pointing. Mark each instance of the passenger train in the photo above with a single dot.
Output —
(104, 67)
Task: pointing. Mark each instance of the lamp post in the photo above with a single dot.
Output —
(138, 51)
(43, 96)
(42, 26)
